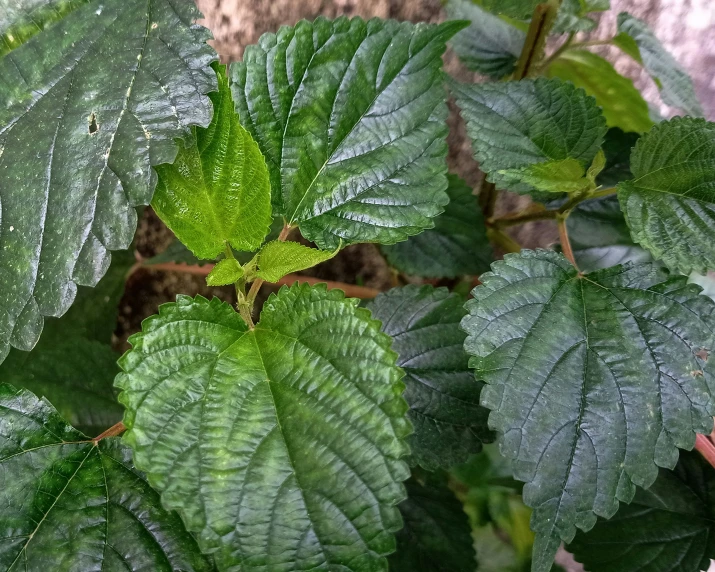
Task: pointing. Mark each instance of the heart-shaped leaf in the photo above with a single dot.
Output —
(92, 94)
(670, 203)
(520, 127)
(71, 504)
(280, 446)
(593, 380)
(442, 394)
(351, 117)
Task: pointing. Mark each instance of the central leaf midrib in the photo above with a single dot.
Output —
(354, 126)
(285, 443)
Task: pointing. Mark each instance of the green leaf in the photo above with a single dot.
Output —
(571, 17)
(519, 9)
(559, 176)
(437, 536)
(593, 381)
(276, 259)
(351, 116)
(73, 365)
(80, 127)
(676, 87)
(617, 146)
(670, 203)
(622, 104)
(217, 190)
(600, 237)
(518, 124)
(457, 245)
(669, 527)
(68, 504)
(297, 426)
(175, 252)
(441, 391)
(227, 271)
(489, 45)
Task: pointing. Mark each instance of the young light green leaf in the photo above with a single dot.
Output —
(516, 125)
(622, 104)
(437, 536)
(489, 45)
(600, 237)
(351, 116)
(70, 504)
(276, 259)
(593, 381)
(676, 87)
(442, 394)
(217, 190)
(457, 245)
(558, 176)
(91, 95)
(668, 527)
(670, 203)
(280, 446)
(73, 365)
(227, 271)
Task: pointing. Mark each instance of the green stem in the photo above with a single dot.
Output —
(503, 240)
(524, 217)
(533, 50)
(488, 198)
(557, 53)
(590, 43)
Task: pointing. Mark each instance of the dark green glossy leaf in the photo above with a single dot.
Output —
(457, 245)
(617, 146)
(600, 236)
(622, 104)
(676, 87)
(670, 203)
(437, 536)
(516, 127)
(351, 116)
(68, 504)
(489, 45)
(90, 98)
(73, 365)
(441, 391)
(670, 527)
(217, 190)
(281, 446)
(593, 381)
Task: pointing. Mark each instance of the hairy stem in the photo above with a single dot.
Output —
(565, 242)
(533, 50)
(113, 431)
(487, 198)
(706, 448)
(531, 215)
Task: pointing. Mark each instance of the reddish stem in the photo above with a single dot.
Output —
(565, 242)
(113, 431)
(706, 448)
